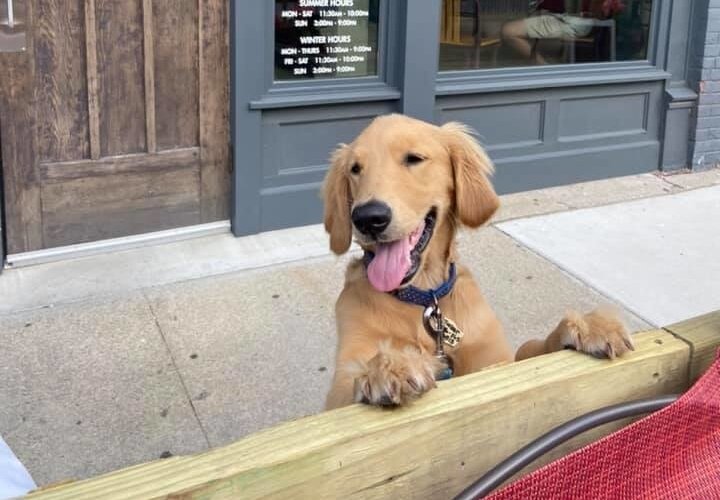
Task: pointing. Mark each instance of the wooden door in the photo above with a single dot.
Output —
(114, 120)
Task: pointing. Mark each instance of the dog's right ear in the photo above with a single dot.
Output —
(336, 197)
(475, 198)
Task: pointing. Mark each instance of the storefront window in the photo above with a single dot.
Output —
(482, 34)
(325, 39)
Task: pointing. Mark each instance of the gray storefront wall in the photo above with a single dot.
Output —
(542, 126)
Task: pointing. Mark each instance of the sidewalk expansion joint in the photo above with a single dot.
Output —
(177, 369)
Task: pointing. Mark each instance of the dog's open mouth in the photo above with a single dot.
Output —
(395, 263)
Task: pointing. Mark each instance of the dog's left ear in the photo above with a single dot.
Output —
(475, 198)
(336, 198)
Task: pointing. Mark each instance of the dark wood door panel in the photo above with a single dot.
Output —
(119, 28)
(115, 119)
(61, 86)
(176, 53)
(19, 151)
(108, 206)
(214, 109)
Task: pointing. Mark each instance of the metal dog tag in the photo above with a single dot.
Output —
(451, 334)
(443, 331)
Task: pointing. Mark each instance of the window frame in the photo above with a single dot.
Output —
(454, 82)
(303, 92)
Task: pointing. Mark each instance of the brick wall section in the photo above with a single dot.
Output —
(704, 75)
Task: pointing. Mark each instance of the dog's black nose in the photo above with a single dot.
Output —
(372, 218)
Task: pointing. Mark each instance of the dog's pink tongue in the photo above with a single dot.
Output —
(390, 265)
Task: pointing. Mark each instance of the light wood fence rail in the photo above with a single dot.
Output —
(432, 449)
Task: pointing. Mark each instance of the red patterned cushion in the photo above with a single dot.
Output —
(671, 454)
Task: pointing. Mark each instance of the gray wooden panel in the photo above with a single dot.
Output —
(291, 206)
(565, 135)
(517, 174)
(297, 143)
(595, 117)
(676, 145)
(503, 126)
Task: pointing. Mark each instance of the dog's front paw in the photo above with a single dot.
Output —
(395, 377)
(599, 333)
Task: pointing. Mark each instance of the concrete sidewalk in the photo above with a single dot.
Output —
(113, 360)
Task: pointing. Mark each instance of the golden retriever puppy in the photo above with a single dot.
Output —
(401, 189)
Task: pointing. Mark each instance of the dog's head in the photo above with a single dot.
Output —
(400, 183)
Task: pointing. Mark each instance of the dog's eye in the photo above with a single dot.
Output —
(413, 159)
(355, 169)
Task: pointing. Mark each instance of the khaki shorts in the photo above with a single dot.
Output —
(557, 26)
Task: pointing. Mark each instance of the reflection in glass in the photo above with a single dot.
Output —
(325, 38)
(481, 34)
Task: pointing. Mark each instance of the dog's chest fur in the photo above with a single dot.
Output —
(385, 315)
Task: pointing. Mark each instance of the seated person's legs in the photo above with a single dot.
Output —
(518, 34)
(515, 34)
